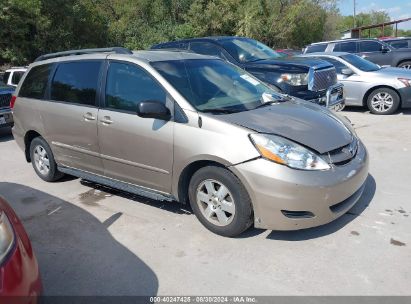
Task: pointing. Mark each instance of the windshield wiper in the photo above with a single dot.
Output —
(267, 103)
(219, 111)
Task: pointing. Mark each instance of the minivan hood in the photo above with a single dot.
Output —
(301, 122)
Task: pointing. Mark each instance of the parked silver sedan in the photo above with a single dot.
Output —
(382, 89)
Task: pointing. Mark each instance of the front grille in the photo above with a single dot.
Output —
(343, 155)
(5, 100)
(323, 79)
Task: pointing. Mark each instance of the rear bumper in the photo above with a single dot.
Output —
(289, 199)
(6, 114)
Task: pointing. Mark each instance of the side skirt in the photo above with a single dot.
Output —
(138, 190)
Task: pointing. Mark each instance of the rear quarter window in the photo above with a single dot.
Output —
(316, 48)
(349, 47)
(6, 77)
(16, 77)
(35, 83)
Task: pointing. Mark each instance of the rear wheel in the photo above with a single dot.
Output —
(405, 65)
(220, 201)
(383, 101)
(42, 159)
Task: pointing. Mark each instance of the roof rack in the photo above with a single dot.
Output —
(117, 50)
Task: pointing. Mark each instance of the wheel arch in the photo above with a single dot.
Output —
(402, 61)
(188, 172)
(28, 138)
(370, 90)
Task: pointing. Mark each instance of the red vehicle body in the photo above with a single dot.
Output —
(19, 272)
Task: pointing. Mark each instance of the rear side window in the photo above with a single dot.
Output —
(349, 47)
(127, 85)
(35, 83)
(370, 46)
(316, 48)
(206, 48)
(76, 82)
(6, 77)
(16, 77)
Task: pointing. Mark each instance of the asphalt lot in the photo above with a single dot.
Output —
(95, 241)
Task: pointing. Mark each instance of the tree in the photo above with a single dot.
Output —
(364, 19)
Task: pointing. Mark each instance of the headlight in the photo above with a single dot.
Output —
(405, 81)
(286, 152)
(6, 236)
(294, 79)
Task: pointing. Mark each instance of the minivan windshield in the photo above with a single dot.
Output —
(215, 86)
(248, 50)
(361, 63)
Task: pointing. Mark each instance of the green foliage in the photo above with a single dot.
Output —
(29, 28)
(363, 19)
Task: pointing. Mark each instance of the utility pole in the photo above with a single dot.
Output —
(354, 4)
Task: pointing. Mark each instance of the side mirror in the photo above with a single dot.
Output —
(153, 109)
(384, 49)
(347, 72)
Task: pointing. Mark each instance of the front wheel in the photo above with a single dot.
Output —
(220, 201)
(383, 101)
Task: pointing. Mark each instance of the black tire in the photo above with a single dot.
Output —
(383, 92)
(243, 216)
(405, 65)
(52, 173)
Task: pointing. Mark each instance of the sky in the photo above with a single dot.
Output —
(397, 9)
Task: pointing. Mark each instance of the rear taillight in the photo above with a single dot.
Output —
(12, 101)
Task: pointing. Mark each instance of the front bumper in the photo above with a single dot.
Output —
(6, 118)
(405, 94)
(334, 98)
(289, 199)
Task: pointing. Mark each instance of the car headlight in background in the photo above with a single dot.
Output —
(6, 236)
(286, 152)
(294, 79)
(405, 81)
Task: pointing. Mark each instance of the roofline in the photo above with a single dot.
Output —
(117, 50)
(343, 40)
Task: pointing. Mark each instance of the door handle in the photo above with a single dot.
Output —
(88, 116)
(106, 120)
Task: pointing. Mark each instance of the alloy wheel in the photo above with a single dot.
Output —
(41, 160)
(216, 202)
(382, 102)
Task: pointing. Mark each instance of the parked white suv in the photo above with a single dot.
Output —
(12, 76)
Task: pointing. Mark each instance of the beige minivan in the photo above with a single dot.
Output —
(190, 128)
